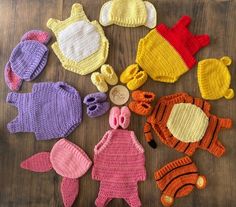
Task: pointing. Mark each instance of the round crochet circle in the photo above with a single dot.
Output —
(119, 95)
(187, 122)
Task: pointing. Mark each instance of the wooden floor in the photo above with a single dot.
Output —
(20, 188)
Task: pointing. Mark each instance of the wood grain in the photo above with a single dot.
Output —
(20, 188)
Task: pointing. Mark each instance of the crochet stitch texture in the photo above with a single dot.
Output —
(214, 78)
(81, 45)
(167, 53)
(185, 124)
(132, 13)
(52, 110)
(119, 163)
(68, 160)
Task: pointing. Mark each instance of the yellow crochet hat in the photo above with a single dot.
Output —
(128, 13)
(214, 78)
(81, 45)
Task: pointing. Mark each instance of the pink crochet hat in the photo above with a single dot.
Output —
(68, 160)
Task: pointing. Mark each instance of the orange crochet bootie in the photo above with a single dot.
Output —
(185, 124)
(177, 179)
(141, 103)
(140, 108)
(143, 96)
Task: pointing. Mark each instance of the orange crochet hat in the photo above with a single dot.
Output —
(177, 179)
(197, 128)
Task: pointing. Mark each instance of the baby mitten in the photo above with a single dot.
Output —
(177, 179)
(81, 45)
(167, 53)
(27, 59)
(214, 78)
(132, 13)
(51, 110)
(185, 124)
(67, 160)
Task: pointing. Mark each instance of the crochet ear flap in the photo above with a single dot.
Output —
(104, 18)
(69, 190)
(151, 15)
(12, 80)
(39, 162)
(37, 35)
(229, 93)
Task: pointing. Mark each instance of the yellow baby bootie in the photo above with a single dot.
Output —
(139, 79)
(99, 81)
(129, 73)
(109, 74)
(80, 45)
(214, 78)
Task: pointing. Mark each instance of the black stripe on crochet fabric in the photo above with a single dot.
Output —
(189, 173)
(213, 135)
(203, 137)
(176, 144)
(164, 110)
(157, 110)
(185, 150)
(174, 169)
(187, 184)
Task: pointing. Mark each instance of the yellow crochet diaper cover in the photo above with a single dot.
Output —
(81, 45)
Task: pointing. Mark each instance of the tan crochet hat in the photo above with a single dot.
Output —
(131, 13)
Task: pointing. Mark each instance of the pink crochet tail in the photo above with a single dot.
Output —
(12, 80)
(37, 35)
(39, 162)
(69, 190)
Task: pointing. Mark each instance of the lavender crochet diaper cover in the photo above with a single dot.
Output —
(52, 110)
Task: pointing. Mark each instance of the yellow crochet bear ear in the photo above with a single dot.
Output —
(226, 60)
(132, 13)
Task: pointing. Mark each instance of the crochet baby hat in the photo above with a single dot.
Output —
(185, 123)
(27, 59)
(119, 163)
(52, 110)
(178, 179)
(68, 160)
(214, 78)
(81, 45)
(132, 13)
(167, 53)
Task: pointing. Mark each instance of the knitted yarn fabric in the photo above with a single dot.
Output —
(119, 163)
(81, 45)
(132, 13)
(167, 53)
(51, 110)
(214, 78)
(27, 59)
(185, 124)
(68, 160)
(178, 179)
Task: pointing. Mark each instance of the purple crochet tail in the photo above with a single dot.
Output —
(37, 35)
(39, 162)
(69, 190)
(12, 80)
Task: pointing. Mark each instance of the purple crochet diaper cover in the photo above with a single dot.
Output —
(52, 110)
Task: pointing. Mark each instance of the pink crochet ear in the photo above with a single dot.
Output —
(12, 80)
(69, 190)
(37, 35)
(39, 162)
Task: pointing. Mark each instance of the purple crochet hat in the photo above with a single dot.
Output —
(27, 59)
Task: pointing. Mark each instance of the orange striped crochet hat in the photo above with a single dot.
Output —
(185, 124)
(167, 53)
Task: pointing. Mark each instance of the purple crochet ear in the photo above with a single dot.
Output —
(12, 80)
(69, 190)
(37, 35)
(39, 162)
